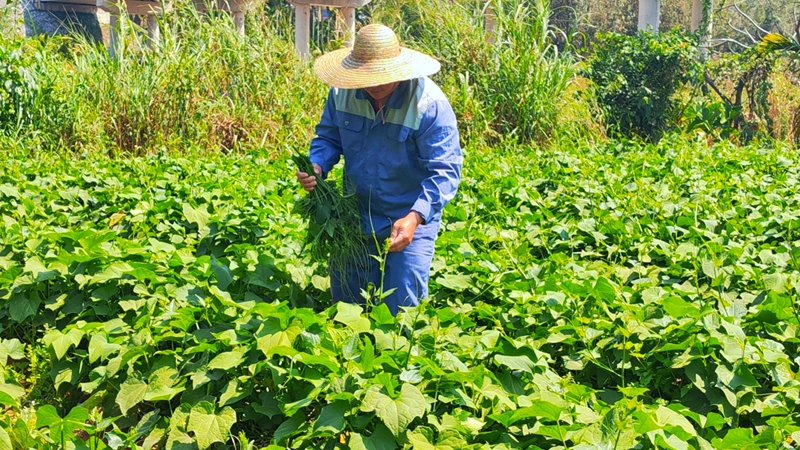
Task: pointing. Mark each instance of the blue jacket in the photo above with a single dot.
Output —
(405, 157)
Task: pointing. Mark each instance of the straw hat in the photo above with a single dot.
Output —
(375, 59)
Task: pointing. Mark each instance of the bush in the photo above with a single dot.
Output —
(637, 77)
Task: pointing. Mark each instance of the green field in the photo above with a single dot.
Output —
(600, 281)
(598, 297)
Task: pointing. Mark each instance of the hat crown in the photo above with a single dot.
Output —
(375, 42)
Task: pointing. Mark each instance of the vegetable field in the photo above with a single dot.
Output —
(605, 296)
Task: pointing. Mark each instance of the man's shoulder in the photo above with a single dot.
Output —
(431, 89)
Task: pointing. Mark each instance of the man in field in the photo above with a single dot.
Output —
(398, 135)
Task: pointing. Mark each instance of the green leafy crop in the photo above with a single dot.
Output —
(616, 295)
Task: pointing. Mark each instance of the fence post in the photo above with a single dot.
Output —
(153, 32)
(490, 22)
(302, 15)
(349, 16)
(113, 35)
(238, 22)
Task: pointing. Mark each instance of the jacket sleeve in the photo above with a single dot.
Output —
(326, 147)
(440, 154)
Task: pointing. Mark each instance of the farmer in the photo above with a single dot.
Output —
(398, 135)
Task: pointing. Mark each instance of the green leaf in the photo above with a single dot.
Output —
(47, 416)
(131, 393)
(367, 356)
(382, 315)
(11, 348)
(604, 290)
(40, 273)
(233, 392)
(209, 426)
(381, 439)
(160, 384)
(775, 282)
(674, 422)
(455, 282)
(331, 419)
(736, 439)
(288, 427)
(521, 363)
(199, 216)
(21, 307)
(397, 413)
(679, 308)
(540, 409)
(272, 339)
(351, 315)
(223, 274)
(61, 342)
(226, 361)
(5, 440)
(10, 394)
(100, 348)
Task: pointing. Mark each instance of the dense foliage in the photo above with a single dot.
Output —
(637, 78)
(613, 295)
(156, 290)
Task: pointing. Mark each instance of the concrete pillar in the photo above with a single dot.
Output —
(238, 22)
(703, 23)
(490, 22)
(697, 14)
(152, 29)
(302, 16)
(113, 35)
(349, 16)
(649, 14)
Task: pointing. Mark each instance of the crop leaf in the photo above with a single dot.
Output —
(209, 426)
(396, 413)
(131, 393)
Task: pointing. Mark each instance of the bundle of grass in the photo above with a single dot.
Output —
(334, 223)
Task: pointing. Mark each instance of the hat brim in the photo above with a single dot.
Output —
(341, 71)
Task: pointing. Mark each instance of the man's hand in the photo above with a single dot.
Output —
(403, 231)
(309, 181)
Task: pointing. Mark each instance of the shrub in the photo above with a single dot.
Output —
(637, 76)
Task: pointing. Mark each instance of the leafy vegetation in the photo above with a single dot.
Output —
(334, 223)
(156, 289)
(613, 295)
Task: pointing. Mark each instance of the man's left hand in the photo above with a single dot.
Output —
(403, 231)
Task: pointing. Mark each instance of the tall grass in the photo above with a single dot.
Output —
(512, 88)
(202, 86)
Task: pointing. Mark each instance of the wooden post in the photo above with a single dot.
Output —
(152, 29)
(349, 16)
(302, 15)
(649, 14)
(238, 22)
(113, 35)
(490, 22)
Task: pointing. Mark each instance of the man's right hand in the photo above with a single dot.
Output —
(309, 181)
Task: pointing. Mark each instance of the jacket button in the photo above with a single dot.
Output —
(346, 122)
